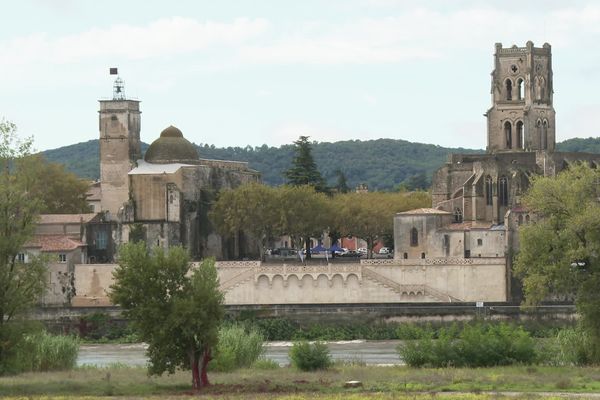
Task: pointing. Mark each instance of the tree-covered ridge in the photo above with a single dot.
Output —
(382, 163)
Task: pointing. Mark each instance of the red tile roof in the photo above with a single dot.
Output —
(53, 243)
(66, 218)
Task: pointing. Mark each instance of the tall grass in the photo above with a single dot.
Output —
(45, 352)
(237, 348)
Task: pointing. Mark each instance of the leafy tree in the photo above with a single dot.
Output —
(21, 284)
(559, 253)
(60, 191)
(251, 208)
(370, 216)
(177, 310)
(304, 169)
(304, 213)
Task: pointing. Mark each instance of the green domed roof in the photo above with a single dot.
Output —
(171, 147)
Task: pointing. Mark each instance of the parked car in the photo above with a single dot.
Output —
(351, 253)
(362, 250)
(384, 250)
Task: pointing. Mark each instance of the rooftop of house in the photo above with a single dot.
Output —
(53, 243)
(66, 218)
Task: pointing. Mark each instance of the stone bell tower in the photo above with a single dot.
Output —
(522, 116)
(119, 146)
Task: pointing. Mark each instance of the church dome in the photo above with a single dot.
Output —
(171, 147)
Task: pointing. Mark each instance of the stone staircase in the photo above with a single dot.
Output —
(237, 280)
(403, 289)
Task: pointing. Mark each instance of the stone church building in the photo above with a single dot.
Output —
(165, 197)
(476, 198)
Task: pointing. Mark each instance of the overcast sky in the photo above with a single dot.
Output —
(237, 73)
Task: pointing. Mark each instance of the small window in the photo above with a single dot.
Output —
(62, 258)
(414, 237)
(458, 216)
(21, 257)
(405, 255)
(479, 242)
(101, 240)
(423, 255)
(467, 253)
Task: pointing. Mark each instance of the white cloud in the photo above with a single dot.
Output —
(161, 38)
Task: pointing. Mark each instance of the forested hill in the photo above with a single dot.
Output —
(382, 164)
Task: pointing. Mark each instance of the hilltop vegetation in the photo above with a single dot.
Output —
(382, 164)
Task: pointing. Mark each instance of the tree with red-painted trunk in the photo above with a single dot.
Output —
(175, 308)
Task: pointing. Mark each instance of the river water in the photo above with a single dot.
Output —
(381, 352)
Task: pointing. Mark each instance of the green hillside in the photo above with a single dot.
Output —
(381, 163)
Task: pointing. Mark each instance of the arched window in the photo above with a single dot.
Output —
(544, 137)
(508, 89)
(405, 255)
(520, 135)
(423, 255)
(538, 130)
(503, 191)
(520, 89)
(488, 191)
(414, 237)
(537, 88)
(508, 134)
(458, 216)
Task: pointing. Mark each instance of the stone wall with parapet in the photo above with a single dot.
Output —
(370, 281)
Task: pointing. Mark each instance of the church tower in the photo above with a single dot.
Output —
(119, 146)
(522, 115)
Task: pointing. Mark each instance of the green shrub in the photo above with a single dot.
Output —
(310, 357)
(477, 345)
(265, 363)
(237, 348)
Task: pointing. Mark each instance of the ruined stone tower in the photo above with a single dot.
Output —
(119, 147)
(522, 115)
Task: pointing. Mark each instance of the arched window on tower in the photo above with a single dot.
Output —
(520, 135)
(508, 134)
(538, 131)
(542, 88)
(508, 89)
(488, 191)
(520, 89)
(414, 237)
(458, 215)
(544, 137)
(503, 191)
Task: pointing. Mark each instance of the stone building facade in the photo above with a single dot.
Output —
(476, 210)
(164, 198)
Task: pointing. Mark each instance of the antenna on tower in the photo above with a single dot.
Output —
(118, 86)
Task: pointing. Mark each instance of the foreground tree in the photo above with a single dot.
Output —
(251, 208)
(560, 252)
(177, 310)
(21, 285)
